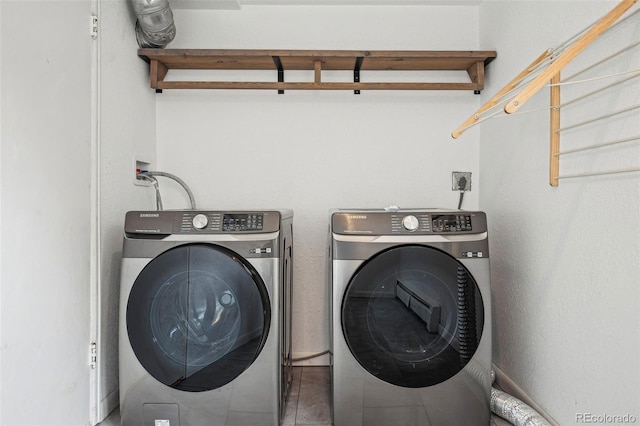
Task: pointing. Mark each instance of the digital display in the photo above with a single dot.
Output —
(242, 222)
(451, 223)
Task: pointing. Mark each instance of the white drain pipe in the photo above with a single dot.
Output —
(155, 27)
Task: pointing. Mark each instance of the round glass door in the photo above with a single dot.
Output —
(412, 316)
(198, 315)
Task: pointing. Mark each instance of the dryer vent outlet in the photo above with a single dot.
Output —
(461, 181)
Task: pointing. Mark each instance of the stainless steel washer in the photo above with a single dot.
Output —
(411, 314)
(205, 311)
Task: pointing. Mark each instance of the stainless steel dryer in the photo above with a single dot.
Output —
(411, 313)
(204, 317)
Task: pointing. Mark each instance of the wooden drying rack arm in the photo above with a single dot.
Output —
(556, 65)
(554, 135)
(568, 55)
(495, 100)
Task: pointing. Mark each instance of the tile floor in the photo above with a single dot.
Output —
(308, 403)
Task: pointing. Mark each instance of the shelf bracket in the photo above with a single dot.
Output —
(356, 73)
(476, 74)
(157, 72)
(276, 60)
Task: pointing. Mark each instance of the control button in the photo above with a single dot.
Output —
(200, 221)
(410, 223)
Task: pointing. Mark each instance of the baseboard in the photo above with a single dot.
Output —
(322, 360)
(504, 383)
(108, 404)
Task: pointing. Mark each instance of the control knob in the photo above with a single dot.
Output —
(410, 223)
(200, 221)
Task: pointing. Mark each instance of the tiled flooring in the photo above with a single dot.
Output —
(308, 402)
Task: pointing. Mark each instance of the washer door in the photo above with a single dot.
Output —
(198, 316)
(412, 316)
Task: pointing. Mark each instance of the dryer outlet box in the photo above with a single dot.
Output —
(456, 184)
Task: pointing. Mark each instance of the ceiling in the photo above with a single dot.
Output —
(238, 4)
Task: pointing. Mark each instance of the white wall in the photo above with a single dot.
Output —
(1, 177)
(127, 132)
(46, 210)
(313, 151)
(564, 260)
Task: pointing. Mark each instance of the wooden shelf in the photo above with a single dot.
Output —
(162, 60)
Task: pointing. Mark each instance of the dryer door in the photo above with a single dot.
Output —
(198, 316)
(412, 316)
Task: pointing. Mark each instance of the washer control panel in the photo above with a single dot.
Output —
(242, 221)
(168, 222)
(225, 222)
(408, 222)
(192, 222)
(200, 221)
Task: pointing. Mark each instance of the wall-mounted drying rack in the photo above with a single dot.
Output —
(163, 60)
(545, 71)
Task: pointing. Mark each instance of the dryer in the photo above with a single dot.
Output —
(411, 318)
(205, 305)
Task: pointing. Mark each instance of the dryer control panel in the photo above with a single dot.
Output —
(410, 222)
(451, 223)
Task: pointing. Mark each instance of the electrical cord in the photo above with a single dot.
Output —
(460, 200)
(304, 358)
(462, 184)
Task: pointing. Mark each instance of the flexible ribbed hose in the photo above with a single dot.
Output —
(515, 411)
(155, 27)
(192, 200)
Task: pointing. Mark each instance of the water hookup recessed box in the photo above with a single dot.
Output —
(140, 165)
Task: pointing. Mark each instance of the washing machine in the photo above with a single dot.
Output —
(411, 317)
(205, 305)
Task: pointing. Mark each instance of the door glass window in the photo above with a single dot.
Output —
(412, 316)
(197, 317)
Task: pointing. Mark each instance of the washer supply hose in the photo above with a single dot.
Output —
(192, 199)
(154, 182)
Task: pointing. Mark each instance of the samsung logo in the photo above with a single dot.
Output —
(149, 214)
(357, 216)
